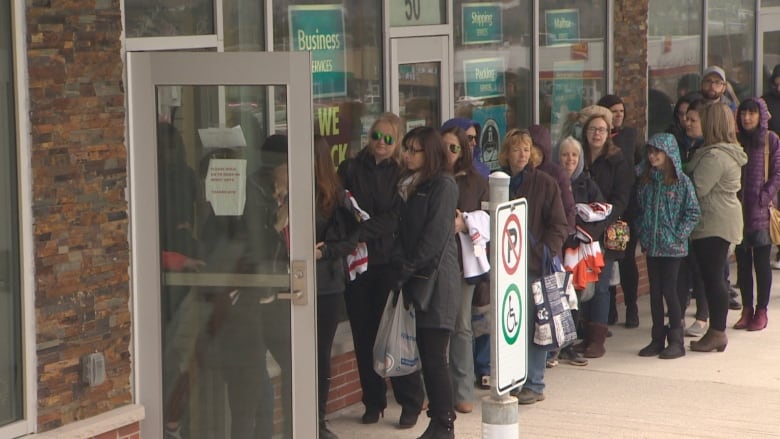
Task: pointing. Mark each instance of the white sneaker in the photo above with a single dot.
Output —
(696, 329)
(776, 265)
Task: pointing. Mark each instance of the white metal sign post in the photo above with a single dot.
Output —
(510, 336)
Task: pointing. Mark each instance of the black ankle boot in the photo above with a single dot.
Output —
(632, 316)
(657, 343)
(325, 432)
(676, 348)
(440, 427)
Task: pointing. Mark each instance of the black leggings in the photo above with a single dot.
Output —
(747, 259)
(629, 274)
(433, 345)
(711, 254)
(662, 273)
(689, 284)
(327, 323)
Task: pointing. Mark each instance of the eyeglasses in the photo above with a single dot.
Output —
(378, 135)
(410, 149)
(455, 149)
(709, 81)
(472, 138)
(600, 130)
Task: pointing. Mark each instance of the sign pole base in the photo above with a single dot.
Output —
(499, 418)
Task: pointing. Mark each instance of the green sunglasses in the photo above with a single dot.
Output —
(378, 135)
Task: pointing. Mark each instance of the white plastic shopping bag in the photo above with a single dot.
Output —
(395, 348)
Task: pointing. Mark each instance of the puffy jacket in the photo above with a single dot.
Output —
(374, 186)
(667, 212)
(717, 171)
(757, 190)
(427, 230)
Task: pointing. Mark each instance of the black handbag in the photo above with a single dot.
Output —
(419, 288)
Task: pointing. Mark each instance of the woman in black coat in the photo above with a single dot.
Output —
(372, 177)
(427, 242)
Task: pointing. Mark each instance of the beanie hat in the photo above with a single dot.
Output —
(463, 123)
(609, 100)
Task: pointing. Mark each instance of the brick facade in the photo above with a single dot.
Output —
(80, 211)
(630, 68)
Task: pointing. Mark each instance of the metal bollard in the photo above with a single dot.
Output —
(499, 412)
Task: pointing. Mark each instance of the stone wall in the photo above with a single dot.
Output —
(80, 230)
(630, 27)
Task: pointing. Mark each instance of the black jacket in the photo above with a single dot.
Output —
(615, 177)
(586, 191)
(374, 186)
(339, 233)
(427, 230)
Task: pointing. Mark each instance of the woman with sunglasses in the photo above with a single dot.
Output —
(426, 243)
(372, 177)
(473, 190)
(547, 227)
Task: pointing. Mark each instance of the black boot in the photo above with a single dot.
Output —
(613, 316)
(325, 432)
(632, 315)
(676, 348)
(656, 346)
(442, 426)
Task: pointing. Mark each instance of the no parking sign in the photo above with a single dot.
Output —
(510, 339)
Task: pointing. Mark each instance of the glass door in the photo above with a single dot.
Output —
(769, 46)
(420, 80)
(223, 243)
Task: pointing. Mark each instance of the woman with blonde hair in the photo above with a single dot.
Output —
(716, 168)
(547, 227)
(372, 177)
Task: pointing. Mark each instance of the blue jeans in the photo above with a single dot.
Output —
(597, 308)
(537, 358)
(482, 356)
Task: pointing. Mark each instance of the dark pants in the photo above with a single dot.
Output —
(747, 259)
(365, 299)
(251, 398)
(662, 273)
(629, 275)
(438, 382)
(327, 322)
(711, 255)
(689, 284)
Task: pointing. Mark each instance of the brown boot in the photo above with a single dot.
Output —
(712, 340)
(744, 320)
(597, 334)
(759, 320)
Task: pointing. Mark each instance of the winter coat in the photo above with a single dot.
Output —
(615, 177)
(626, 139)
(427, 229)
(772, 99)
(541, 138)
(473, 189)
(374, 186)
(339, 233)
(585, 190)
(547, 223)
(667, 213)
(757, 189)
(717, 172)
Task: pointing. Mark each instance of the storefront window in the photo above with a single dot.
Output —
(731, 43)
(673, 56)
(492, 67)
(168, 18)
(572, 57)
(345, 39)
(10, 294)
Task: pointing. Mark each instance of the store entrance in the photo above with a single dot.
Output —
(769, 43)
(420, 87)
(222, 243)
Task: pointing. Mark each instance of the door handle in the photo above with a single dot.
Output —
(297, 292)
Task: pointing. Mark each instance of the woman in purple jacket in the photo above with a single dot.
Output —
(760, 183)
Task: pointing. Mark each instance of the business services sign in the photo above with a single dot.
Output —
(319, 29)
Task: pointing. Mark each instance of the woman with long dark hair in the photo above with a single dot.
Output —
(760, 183)
(336, 237)
(426, 243)
(472, 190)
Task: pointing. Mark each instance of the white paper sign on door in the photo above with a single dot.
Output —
(226, 186)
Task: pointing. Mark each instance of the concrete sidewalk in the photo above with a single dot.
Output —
(734, 394)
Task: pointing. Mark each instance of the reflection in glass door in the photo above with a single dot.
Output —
(229, 253)
(419, 75)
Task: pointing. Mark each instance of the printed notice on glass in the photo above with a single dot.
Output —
(222, 137)
(226, 186)
(319, 29)
(563, 26)
(481, 23)
(484, 78)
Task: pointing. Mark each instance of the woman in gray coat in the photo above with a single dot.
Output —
(427, 241)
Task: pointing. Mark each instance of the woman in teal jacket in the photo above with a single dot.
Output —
(668, 212)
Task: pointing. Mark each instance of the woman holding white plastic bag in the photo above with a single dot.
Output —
(427, 243)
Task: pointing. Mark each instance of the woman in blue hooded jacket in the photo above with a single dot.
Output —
(667, 213)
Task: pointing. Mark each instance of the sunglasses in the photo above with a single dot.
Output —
(472, 138)
(410, 149)
(378, 135)
(454, 148)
